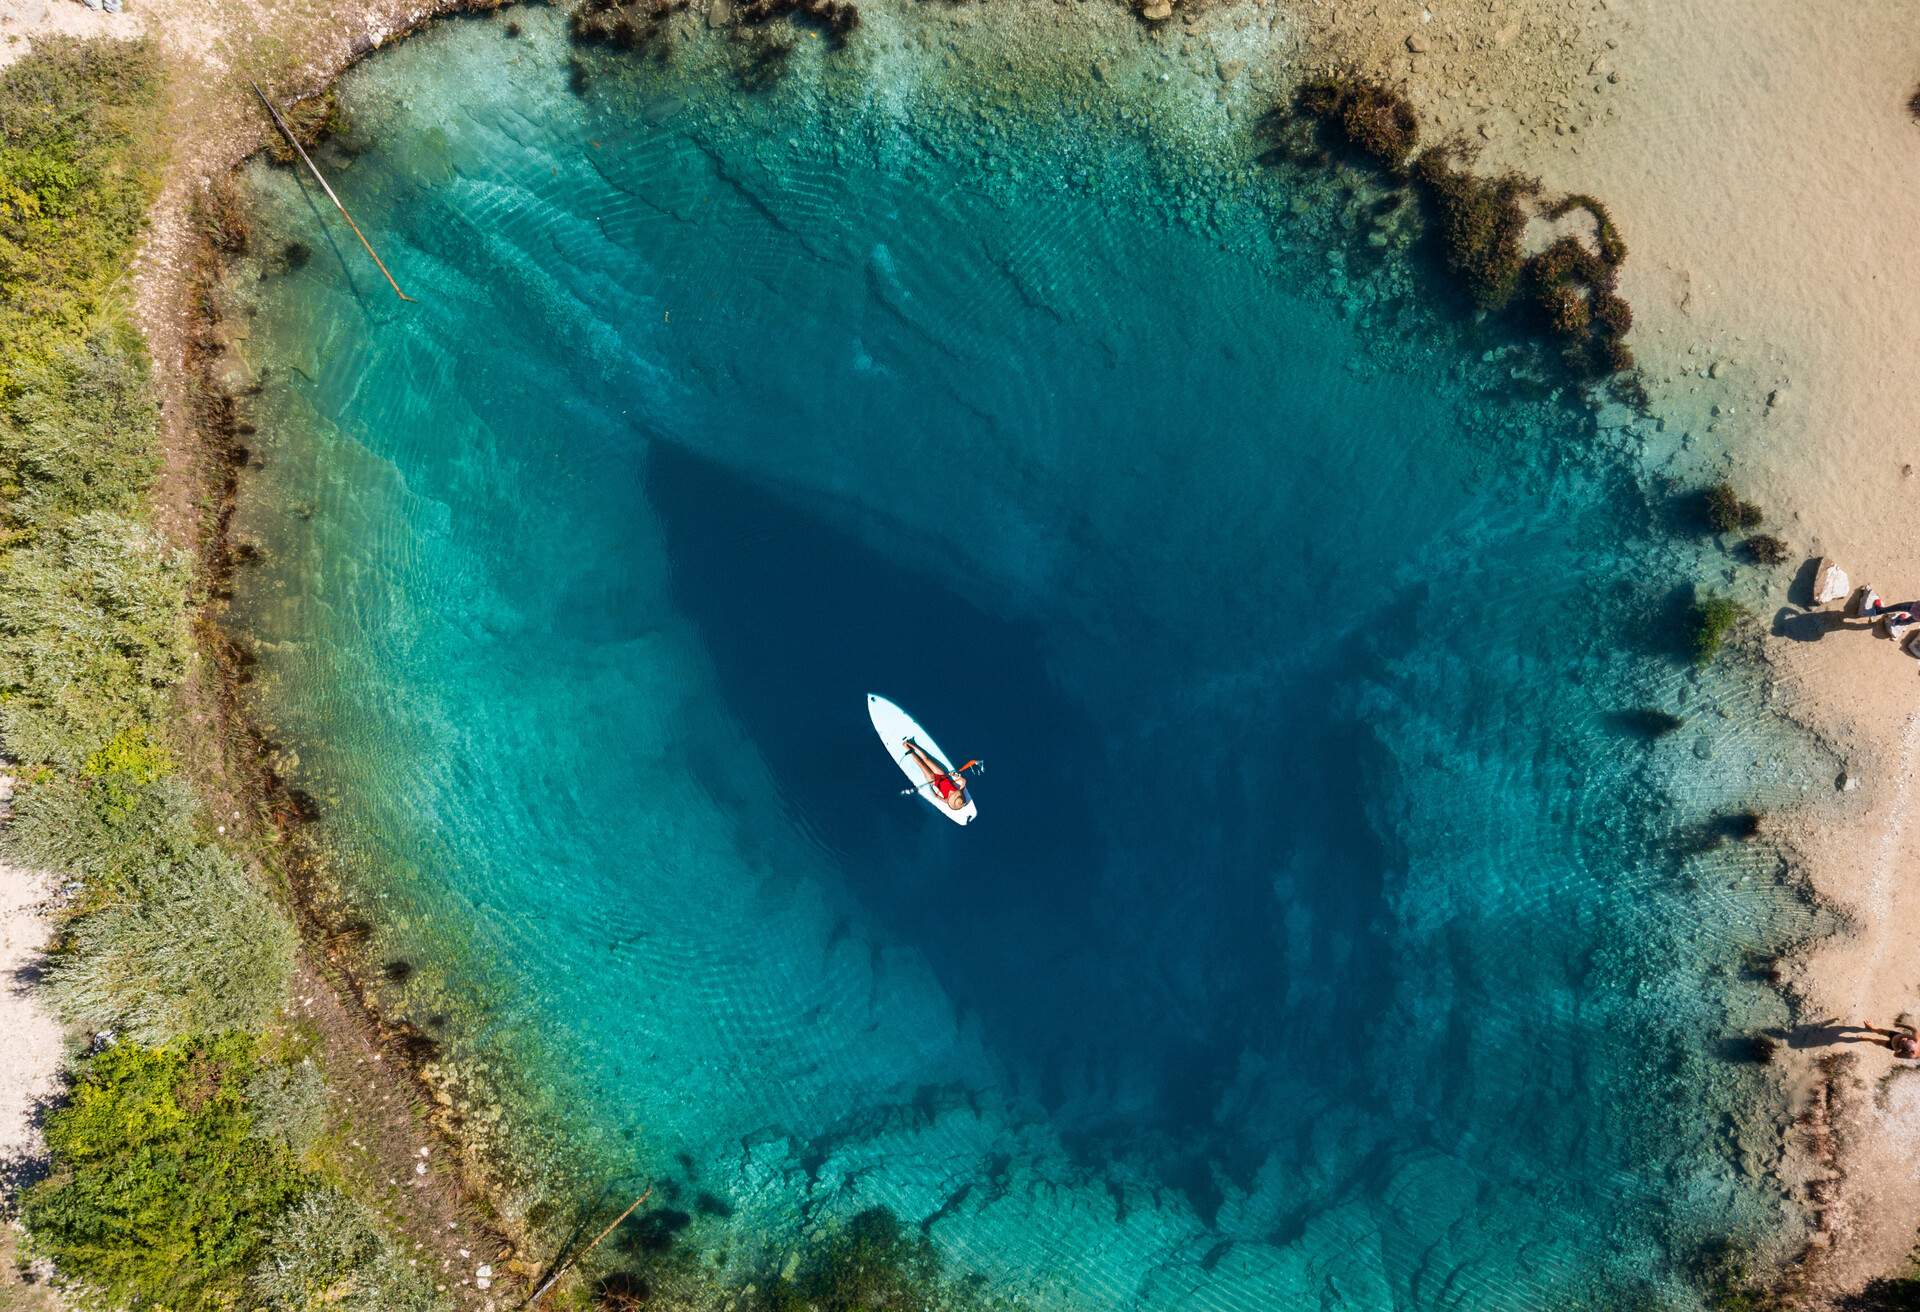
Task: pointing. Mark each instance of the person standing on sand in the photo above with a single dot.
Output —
(1872, 608)
(1902, 1040)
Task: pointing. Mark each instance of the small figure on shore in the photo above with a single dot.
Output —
(1902, 1040)
(1872, 608)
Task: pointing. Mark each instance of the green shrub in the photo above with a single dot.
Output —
(79, 432)
(327, 1252)
(160, 1191)
(76, 177)
(93, 628)
(1714, 617)
(1726, 512)
(289, 1102)
(70, 823)
(195, 947)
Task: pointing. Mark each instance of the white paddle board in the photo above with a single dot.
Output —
(895, 726)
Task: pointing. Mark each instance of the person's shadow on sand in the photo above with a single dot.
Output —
(1823, 1033)
(1806, 625)
(1820, 1034)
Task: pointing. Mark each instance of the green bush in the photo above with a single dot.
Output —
(93, 629)
(326, 1251)
(79, 432)
(160, 1191)
(72, 823)
(195, 947)
(289, 1102)
(1714, 617)
(77, 173)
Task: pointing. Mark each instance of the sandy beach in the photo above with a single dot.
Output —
(1761, 161)
(36, 1050)
(31, 1073)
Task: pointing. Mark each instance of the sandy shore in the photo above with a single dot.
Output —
(30, 1067)
(30, 1072)
(1761, 160)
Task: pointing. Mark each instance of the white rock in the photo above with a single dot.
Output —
(1830, 583)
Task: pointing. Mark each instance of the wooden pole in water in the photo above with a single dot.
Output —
(554, 1279)
(314, 169)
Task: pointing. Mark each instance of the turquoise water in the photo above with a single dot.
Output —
(1328, 935)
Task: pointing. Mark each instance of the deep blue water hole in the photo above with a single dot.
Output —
(1324, 937)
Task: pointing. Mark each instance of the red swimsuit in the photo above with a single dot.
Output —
(943, 783)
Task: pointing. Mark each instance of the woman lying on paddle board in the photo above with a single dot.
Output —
(950, 788)
(923, 763)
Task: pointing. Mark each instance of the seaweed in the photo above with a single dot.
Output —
(1648, 722)
(1479, 220)
(1613, 247)
(1725, 511)
(311, 121)
(1714, 620)
(1765, 549)
(222, 216)
(1482, 221)
(838, 17)
(1362, 116)
(634, 25)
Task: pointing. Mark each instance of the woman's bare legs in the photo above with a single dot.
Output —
(955, 800)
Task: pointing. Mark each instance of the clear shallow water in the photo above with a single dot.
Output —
(1325, 937)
